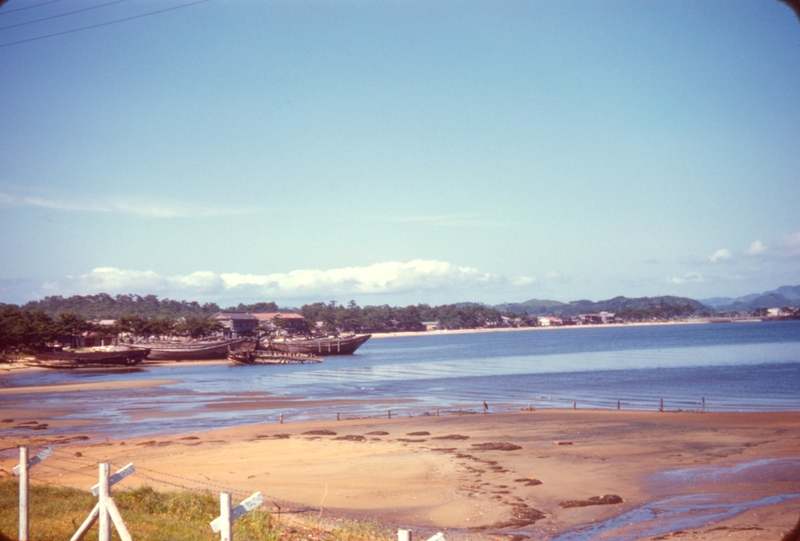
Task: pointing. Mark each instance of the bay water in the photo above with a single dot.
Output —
(719, 367)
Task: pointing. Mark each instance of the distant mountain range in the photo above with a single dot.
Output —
(778, 298)
(537, 307)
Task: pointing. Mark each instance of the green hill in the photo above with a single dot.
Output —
(535, 307)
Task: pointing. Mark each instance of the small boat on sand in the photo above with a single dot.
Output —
(271, 357)
(346, 345)
(192, 350)
(114, 358)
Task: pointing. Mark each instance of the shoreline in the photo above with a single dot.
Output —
(469, 475)
(22, 365)
(521, 329)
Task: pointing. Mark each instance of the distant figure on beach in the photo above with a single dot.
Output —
(485, 407)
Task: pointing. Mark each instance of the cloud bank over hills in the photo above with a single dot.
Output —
(381, 280)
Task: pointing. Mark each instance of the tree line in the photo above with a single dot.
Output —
(385, 318)
(36, 324)
(32, 331)
(104, 306)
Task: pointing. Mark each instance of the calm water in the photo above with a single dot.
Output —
(735, 367)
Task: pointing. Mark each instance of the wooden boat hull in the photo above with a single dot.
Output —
(270, 357)
(188, 351)
(321, 346)
(91, 359)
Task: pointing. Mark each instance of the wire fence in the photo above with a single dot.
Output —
(84, 466)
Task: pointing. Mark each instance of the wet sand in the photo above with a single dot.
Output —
(475, 475)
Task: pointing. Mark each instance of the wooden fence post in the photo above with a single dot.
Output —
(23, 470)
(23, 494)
(104, 533)
(224, 522)
(226, 531)
(105, 510)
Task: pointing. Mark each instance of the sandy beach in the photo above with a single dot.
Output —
(445, 332)
(473, 475)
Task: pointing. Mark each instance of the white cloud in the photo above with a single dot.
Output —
(756, 248)
(690, 277)
(121, 205)
(720, 255)
(524, 281)
(310, 284)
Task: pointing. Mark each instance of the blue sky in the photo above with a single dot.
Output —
(399, 151)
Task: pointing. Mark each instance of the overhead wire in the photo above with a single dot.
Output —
(141, 15)
(6, 11)
(62, 14)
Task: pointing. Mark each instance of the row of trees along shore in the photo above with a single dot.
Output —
(27, 331)
(38, 323)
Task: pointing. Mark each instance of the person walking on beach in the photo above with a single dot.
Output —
(485, 407)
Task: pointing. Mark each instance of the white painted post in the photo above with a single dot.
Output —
(104, 526)
(438, 537)
(121, 474)
(116, 518)
(106, 510)
(88, 523)
(226, 524)
(23, 494)
(404, 535)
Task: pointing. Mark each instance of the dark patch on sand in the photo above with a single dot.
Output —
(451, 437)
(409, 440)
(352, 437)
(496, 446)
(322, 432)
(521, 516)
(529, 481)
(190, 438)
(377, 433)
(605, 499)
(422, 433)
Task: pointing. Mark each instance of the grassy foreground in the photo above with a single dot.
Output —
(56, 513)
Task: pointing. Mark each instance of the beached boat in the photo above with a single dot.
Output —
(271, 357)
(114, 358)
(189, 350)
(346, 345)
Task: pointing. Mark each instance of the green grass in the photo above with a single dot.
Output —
(56, 513)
